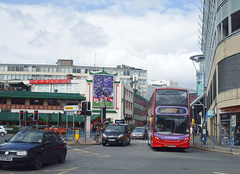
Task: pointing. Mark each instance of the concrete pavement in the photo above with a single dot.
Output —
(211, 146)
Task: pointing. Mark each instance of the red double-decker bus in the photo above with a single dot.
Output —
(169, 118)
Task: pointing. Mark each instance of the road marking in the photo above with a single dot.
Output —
(219, 173)
(91, 153)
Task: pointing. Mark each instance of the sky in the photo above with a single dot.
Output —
(155, 35)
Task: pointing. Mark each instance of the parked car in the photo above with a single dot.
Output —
(33, 148)
(117, 134)
(34, 127)
(3, 131)
(139, 132)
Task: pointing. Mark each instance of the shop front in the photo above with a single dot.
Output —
(230, 126)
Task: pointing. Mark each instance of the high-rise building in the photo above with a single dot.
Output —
(220, 45)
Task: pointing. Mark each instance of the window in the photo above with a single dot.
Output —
(3, 100)
(228, 73)
(225, 27)
(72, 87)
(36, 101)
(43, 87)
(235, 21)
(54, 102)
(19, 101)
(219, 32)
(25, 68)
(72, 102)
(59, 87)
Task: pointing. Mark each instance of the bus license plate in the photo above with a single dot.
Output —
(171, 146)
(5, 159)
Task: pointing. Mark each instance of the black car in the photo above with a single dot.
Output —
(117, 134)
(33, 148)
(39, 127)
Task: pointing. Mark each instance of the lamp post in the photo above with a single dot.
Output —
(200, 59)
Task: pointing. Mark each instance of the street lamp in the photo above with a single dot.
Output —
(201, 71)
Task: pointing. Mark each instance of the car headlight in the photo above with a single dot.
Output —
(21, 153)
(120, 136)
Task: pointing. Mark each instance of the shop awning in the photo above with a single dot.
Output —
(198, 101)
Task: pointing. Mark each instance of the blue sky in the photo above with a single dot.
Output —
(156, 35)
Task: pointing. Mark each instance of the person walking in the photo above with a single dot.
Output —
(94, 132)
(204, 135)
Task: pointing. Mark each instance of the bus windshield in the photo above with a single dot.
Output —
(171, 125)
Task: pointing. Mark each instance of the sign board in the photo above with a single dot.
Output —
(233, 119)
(71, 108)
(119, 121)
(51, 81)
(70, 113)
(210, 113)
(103, 90)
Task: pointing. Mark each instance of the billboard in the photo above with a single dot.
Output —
(103, 90)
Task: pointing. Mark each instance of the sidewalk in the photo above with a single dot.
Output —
(80, 142)
(210, 146)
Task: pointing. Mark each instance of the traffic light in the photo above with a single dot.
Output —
(26, 114)
(59, 117)
(84, 108)
(36, 116)
(103, 112)
(21, 115)
(88, 106)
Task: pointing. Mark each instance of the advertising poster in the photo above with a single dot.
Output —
(103, 90)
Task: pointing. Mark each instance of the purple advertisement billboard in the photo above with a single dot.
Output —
(103, 90)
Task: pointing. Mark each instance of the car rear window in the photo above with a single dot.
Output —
(115, 128)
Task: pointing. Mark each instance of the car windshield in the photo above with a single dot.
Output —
(139, 129)
(115, 128)
(27, 137)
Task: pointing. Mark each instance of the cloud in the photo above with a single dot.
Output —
(139, 33)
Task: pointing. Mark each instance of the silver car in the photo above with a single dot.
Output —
(3, 131)
(139, 132)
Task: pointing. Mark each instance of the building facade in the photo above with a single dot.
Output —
(140, 110)
(220, 45)
(100, 88)
(135, 77)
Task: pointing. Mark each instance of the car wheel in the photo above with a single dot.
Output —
(2, 134)
(37, 162)
(104, 144)
(62, 157)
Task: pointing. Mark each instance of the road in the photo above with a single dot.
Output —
(137, 158)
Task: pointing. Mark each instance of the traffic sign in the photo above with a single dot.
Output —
(71, 108)
(77, 135)
(78, 112)
(69, 113)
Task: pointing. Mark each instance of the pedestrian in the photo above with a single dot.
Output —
(204, 135)
(94, 132)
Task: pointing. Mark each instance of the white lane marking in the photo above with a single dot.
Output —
(219, 173)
